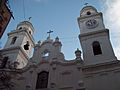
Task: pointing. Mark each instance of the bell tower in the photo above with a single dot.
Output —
(19, 44)
(94, 37)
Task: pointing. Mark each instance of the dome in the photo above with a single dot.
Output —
(25, 25)
(87, 11)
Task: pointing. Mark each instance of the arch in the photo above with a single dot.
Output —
(20, 28)
(13, 40)
(96, 48)
(42, 80)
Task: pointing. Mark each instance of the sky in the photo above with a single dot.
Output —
(60, 16)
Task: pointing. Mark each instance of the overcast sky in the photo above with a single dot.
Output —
(60, 16)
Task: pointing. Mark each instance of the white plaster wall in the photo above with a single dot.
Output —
(106, 80)
(88, 55)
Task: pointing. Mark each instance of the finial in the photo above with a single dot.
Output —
(49, 32)
(78, 54)
(57, 38)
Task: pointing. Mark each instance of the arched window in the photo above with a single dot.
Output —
(42, 80)
(13, 40)
(96, 48)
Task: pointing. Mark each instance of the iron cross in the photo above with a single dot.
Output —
(86, 4)
(49, 32)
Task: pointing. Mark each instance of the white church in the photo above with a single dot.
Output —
(47, 69)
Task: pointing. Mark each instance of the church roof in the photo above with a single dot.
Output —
(87, 8)
(26, 23)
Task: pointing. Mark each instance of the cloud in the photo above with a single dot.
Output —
(112, 21)
(112, 13)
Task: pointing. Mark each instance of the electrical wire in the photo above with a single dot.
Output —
(24, 10)
(68, 38)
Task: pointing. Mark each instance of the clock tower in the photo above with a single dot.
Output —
(94, 37)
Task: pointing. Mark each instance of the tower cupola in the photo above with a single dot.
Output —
(57, 43)
(88, 11)
(25, 25)
(90, 20)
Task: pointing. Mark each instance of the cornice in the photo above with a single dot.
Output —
(29, 35)
(15, 48)
(85, 17)
(94, 32)
(63, 63)
(101, 67)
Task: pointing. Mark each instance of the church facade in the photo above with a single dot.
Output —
(47, 69)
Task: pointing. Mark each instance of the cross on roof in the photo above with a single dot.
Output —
(49, 32)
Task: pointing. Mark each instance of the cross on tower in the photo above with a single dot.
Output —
(86, 4)
(49, 32)
(29, 18)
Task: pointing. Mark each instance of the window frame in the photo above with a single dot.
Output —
(13, 40)
(42, 80)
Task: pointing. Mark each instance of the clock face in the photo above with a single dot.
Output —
(92, 23)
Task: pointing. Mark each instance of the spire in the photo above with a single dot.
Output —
(57, 44)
